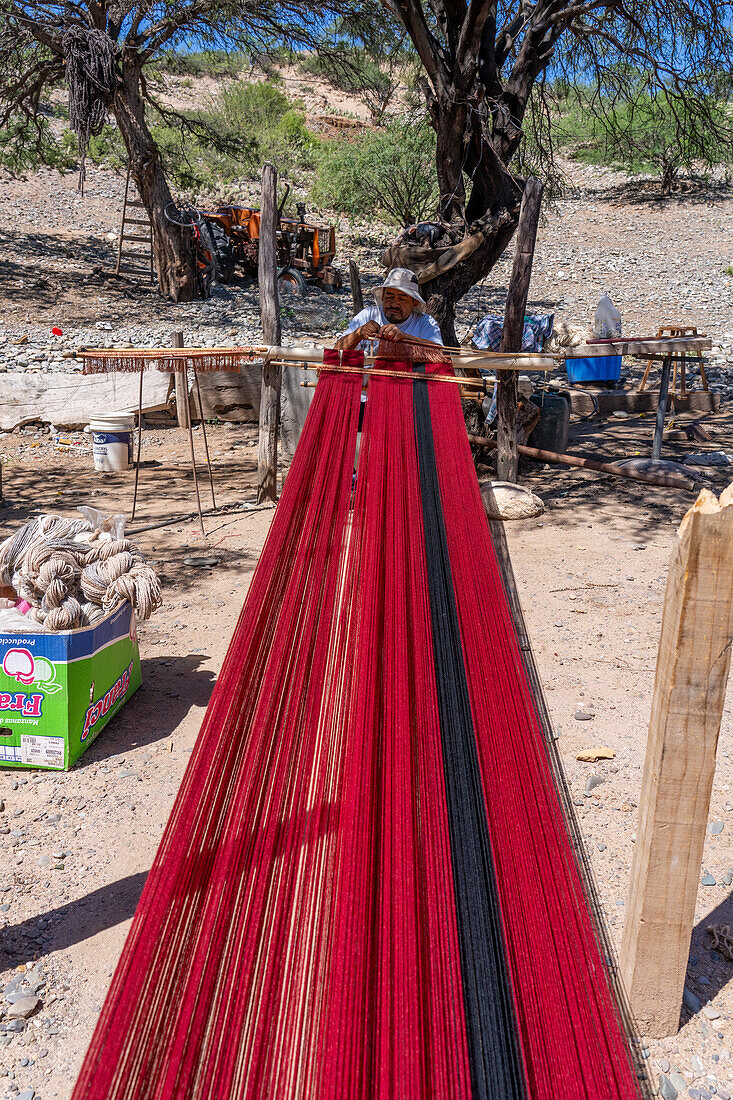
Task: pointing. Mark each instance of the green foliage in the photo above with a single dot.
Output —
(219, 64)
(353, 71)
(643, 132)
(387, 173)
(273, 124)
(203, 152)
(25, 146)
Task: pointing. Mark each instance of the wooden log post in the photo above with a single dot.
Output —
(689, 691)
(357, 296)
(270, 314)
(180, 377)
(516, 303)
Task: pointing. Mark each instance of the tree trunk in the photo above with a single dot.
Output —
(443, 293)
(173, 247)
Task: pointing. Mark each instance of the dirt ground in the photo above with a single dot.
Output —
(591, 574)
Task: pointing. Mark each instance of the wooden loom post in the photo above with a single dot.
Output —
(689, 691)
(177, 342)
(516, 303)
(139, 441)
(183, 410)
(270, 313)
(357, 297)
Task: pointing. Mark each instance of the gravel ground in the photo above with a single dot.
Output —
(590, 572)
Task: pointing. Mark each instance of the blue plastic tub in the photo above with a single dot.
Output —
(600, 368)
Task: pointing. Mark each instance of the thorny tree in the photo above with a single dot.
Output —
(112, 42)
(484, 67)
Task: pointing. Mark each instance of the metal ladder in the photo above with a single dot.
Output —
(138, 219)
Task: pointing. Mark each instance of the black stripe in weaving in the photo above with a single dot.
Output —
(493, 1048)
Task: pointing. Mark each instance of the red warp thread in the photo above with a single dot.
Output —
(297, 934)
(570, 1027)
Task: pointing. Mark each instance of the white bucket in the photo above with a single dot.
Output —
(112, 441)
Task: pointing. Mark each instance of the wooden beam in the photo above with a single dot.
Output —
(180, 377)
(357, 297)
(689, 691)
(270, 314)
(516, 303)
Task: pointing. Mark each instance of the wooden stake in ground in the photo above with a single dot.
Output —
(183, 409)
(357, 297)
(689, 691)
(177, 342)
(516, 303)
(270, 314)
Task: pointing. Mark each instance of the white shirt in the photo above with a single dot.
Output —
(417, 324)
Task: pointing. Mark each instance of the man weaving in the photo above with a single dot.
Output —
(399, 311)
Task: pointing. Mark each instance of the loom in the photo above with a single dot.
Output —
(367, 887)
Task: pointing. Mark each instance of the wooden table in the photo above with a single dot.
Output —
(666, 348)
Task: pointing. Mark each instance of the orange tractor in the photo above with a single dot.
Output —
(228, 240)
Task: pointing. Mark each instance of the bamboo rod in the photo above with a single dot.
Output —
(386, 373)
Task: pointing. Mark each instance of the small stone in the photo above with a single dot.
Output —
(601, 847)
(45, 861)
(694, 1093)
(708, 880)
(23, 1008)
(663, 1065)
(711, 1012)
(592, 781)
(26, 1094)
(666, 1089)
(583, 716)
(715, 828)
(723, 1094)
(696, 1063)
(691, 1002)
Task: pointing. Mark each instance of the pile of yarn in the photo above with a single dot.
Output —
(74, 572)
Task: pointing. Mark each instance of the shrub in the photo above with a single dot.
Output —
(274, 125)
(23, 147)
(644, 132)
(387, 173)
(353, 71)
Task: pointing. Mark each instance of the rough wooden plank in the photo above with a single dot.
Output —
(511, 340)
(689, 691)
(69, 400)
(357, 297)
(607, 401)
(270, 313)
(229, 396)
(687, 345)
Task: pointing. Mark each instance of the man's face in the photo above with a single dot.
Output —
(396, 306)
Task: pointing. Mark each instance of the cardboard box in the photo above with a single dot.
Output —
(59, 690)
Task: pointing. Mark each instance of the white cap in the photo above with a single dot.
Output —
(401, 278)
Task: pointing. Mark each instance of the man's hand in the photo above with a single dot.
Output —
(390, 332)
(369, 331)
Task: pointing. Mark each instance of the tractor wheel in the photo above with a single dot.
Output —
(223, 253)
(292, 281)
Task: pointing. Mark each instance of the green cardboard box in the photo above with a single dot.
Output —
(58, 691)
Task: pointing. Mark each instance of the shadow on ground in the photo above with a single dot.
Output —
(73, 922)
